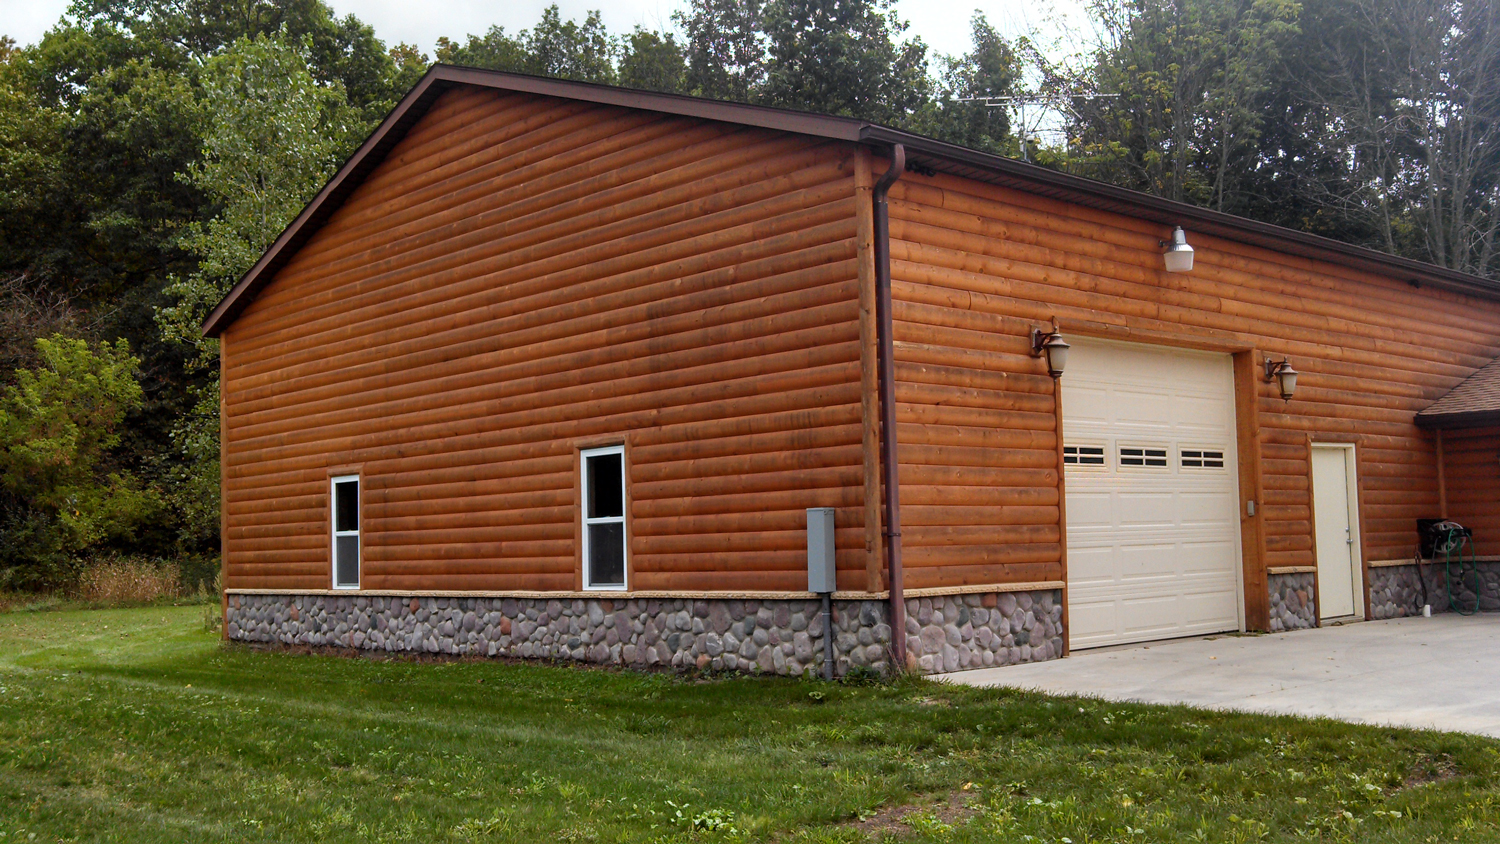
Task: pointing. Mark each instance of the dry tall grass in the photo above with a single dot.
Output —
(122, 581)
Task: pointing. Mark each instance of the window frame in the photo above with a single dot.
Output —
(585, 479)
(334, 534)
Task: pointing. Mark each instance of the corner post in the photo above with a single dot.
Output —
(883, 321)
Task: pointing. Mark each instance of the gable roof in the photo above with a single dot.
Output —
(922, 154)
(1473, 403)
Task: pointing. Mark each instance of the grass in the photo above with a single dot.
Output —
(135, 725)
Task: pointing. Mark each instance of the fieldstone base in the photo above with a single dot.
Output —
(1293, 601)
(958, 632)
(1399, 591)
(775, 637)
(753, 636)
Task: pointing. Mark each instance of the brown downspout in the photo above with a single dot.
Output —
(1442, 480)
(883, 330)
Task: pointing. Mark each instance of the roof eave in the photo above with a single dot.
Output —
(1458, 420)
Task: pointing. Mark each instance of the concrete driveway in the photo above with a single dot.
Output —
(1439, 673)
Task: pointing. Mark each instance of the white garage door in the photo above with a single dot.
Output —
(1152, 497)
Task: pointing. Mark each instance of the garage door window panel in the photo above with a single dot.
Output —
(1202, 458)
(1143, 457)
(1084, 455)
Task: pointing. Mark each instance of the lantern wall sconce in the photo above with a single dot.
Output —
(1179, 255)
(1051, 345)
(1284, 375)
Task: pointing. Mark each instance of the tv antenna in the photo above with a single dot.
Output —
(1039, 108)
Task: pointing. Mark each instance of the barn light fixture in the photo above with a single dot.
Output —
(1051, 344)
(1179, 256)
(1281, 371)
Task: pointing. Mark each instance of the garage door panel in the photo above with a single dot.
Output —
(1205, 509)
(1094, 509)
(1208, 609)
(1144, 509)
(1134, 561)
(1092, 406)
(1087, 566)
(1096, 617)
(1152, 550)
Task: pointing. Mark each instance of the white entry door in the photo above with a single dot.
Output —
(1152, 493)
(1336, 531)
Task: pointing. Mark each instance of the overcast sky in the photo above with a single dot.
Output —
(943, 24)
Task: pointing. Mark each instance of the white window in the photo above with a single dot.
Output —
(604, 538)
(345, 511)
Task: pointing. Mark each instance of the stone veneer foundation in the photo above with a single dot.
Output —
(1293, 601)
(1399, 591)
(771, 636)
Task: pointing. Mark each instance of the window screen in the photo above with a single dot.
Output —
(604, 518)
(345, 511)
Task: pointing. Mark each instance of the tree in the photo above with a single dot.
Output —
(495, 50)
(652, 61)
(725, 48)
(92, 129)
(554, 47)
(959, 113)
(275, 136)
(343, 50)
(1410, 97)
(1183, 83)
(58, 494)
(570, 50)
(410, 64)
(843, 57)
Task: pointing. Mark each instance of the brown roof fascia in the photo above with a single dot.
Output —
(1459, 420)
(921, 151)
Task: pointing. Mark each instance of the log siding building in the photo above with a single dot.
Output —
(554, 369)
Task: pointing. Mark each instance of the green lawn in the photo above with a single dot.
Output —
(135, 725)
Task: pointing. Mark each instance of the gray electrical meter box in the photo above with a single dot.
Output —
(820, 565)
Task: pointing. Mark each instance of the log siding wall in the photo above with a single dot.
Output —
(1471, 460)
(976, 266)
(522, 276)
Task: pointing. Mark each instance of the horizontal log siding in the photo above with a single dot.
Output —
(976, 266)
(1471, 461)
(522, 274)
